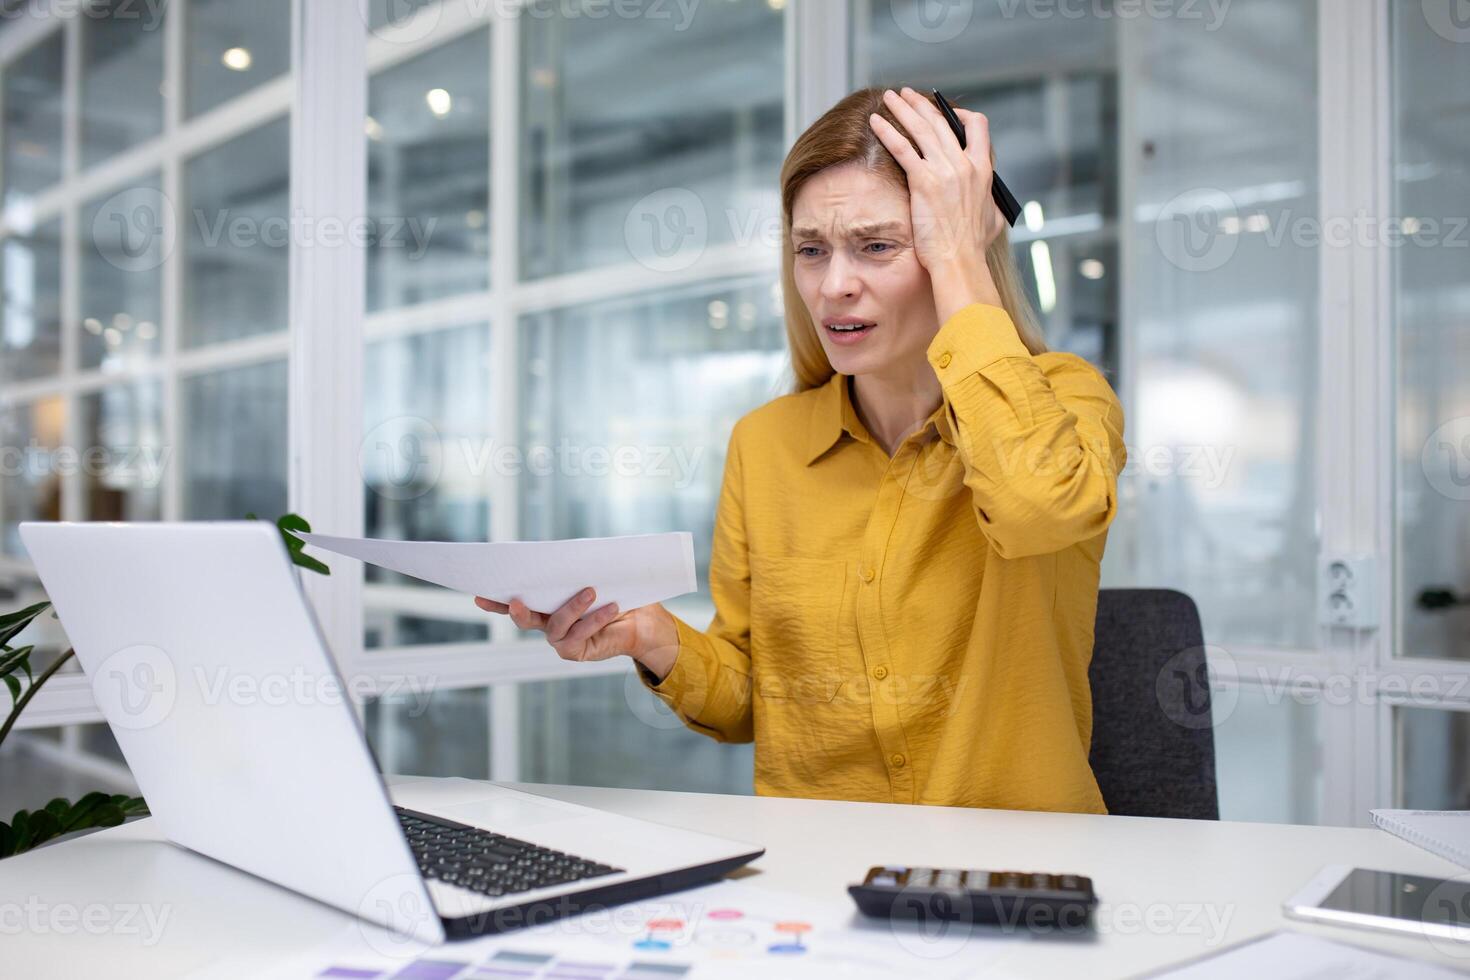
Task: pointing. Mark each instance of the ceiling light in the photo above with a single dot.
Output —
(439, 101)
(236, 59)
(1034, 218)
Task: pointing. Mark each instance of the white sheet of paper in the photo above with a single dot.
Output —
(728, 930)
(632, 570)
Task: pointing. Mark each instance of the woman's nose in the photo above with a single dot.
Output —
(840, 279)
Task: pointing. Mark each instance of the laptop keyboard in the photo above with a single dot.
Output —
(491, 864)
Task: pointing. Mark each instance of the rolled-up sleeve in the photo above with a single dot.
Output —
(1040, 437)
(709, 685)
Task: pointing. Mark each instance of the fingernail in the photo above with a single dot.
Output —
(612, 610)
(586, 594)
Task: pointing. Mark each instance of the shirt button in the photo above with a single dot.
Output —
(944, 359)
(897, 759)
(868, 575)
(880, 672)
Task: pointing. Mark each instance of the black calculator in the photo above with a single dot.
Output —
(1029, 900)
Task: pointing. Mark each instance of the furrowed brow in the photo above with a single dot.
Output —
(870, 229)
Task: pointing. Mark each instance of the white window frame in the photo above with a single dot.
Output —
(325, 421)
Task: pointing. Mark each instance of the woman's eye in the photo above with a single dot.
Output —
(808, 251)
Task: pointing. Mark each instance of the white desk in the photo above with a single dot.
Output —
(1170, 889)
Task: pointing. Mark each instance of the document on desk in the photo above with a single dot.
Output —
(632, 570)
(1298, 956)
(728, 930)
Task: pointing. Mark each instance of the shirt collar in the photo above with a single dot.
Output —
(835, 414)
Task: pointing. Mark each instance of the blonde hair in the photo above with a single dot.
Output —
(843, 135)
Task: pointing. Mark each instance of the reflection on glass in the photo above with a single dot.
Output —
(428, 131)
(627, 407)
(1220, 496)
(234, 443)
(1049, 88)
(610, 731)
(903, 42)
(30, 146)
(1433, 765)
(123, 456)
(30, 313)
(420, 732)
(714, 139)
(237, 238)
(1432, 325)
(232, 48)
(384, 15)
(1268, 754)
(425, 458)
(30, 481)
(122, 76)
(124, 242)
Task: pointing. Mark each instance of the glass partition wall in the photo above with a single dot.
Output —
(570, 258)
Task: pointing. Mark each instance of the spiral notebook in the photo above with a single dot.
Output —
(1445, 833)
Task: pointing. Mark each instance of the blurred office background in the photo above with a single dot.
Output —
(524, 161)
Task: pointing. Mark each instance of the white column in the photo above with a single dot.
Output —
(328, 195)
(1354, 454)
(819, 33)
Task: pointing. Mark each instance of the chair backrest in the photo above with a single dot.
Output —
(1153, 745)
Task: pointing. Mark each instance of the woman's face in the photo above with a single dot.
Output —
(854, 260)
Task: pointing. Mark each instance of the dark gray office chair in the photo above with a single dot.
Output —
(1153, 747)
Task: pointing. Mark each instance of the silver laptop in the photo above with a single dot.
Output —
(206, 661)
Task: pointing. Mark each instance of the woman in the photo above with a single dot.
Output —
(906, 550)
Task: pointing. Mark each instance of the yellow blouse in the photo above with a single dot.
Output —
(914, 629)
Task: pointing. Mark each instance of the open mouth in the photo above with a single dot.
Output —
(849, 331)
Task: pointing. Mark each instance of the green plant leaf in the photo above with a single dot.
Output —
(287, 523)
(81, 810)
(15, 659)
(106, 815)
(13, 623)
(13, 683)
(29, 828)
(20, 824)
(311, 564)
(43, 827)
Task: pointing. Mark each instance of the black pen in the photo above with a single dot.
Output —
(1004, 199)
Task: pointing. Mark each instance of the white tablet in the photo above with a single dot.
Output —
(1386, 900)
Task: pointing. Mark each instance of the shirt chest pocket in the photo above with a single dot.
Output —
(796, 605)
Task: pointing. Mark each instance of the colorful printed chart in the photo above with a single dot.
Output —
(725, 930)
